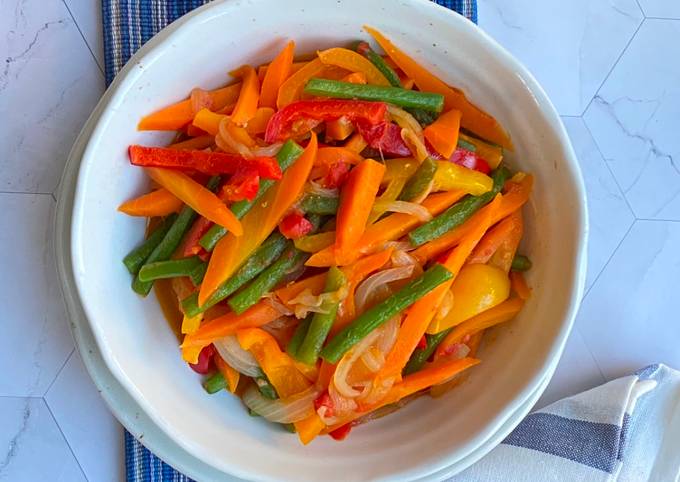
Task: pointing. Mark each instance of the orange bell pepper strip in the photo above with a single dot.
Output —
(355, 78)
(230, 375)
(295, 66)
(356, 200)
(315, 284)
(473, 118)
(160, 202)
(200, 199)
(333, 155)
(231, 251)
(420, 380)
(354, 62)
(505, 253)
(258, 124)
(356, 143)
(193, 144)
(443, 133)
(387, 229)
(290, 90)
(308, 428)
(180, 114)
(276, 74)
(519, 285)
(228, 324)
(486, 319)
(506, 230)
(246, 105)
(493, 155)
(193, 131)
(208, 121)
(277, 365)
(515, 196)
(422, 312)
(339, 129)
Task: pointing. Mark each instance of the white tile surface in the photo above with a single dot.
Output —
(581, 51)
(36, 339)
(634, 119)
(49, 84)
(94, 435)
(31, 445)
(630, 317)
(569, 46)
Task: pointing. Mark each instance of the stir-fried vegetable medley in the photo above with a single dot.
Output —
(338, 234)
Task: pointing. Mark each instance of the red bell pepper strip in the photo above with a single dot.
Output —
(205, 359)
(244, 184)
(295, 225)
(341, 433)
(190, 246)
(384, 137)
(469, 159)
(281, 124)
(336, 175)
(211, 163)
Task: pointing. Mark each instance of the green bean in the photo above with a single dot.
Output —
(467, 145)
(135, 258)
(379, 314)
(267, 279)
(520, 263)
(263, 256)
(169, 269)
(289, 152)
(266, 389)
(288, 427)
(421, 355)
(364, 49)
(458, 213)
(394, 95)
(314, 203)
(298, 336)
(215, 383)
(420, 181)
(198, 273)
(424, 117)
(321, 322)
(171, 240)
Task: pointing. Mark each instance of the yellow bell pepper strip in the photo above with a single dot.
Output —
(354, 62)
(191, 324)
(160, 202)
(473, 118)
(314, 284)
(356, 199)
(333, 155)
(443, 133)
(231, 251)
(506, 231)
(208, 121)
(257, 315)
(258, 124)
(180, 114)
(399, 172)
(398, 167)
(477, 288)
(498, 314)
(276, 74)
(315, 242)
(387, 229)
(519, 285)
(193, 144)
(246, 105)
(515, 196)
(356, 143)
(431, 375)
(290, 90)
(493, 155)
(200, 199)
(423, 311)
(230, 375)
(450, 176)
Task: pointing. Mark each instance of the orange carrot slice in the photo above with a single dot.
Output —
(443, 133)
(276, 74)
(246, 105)
(160, 202)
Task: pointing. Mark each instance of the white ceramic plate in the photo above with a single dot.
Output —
(136, 343)
(127, 410)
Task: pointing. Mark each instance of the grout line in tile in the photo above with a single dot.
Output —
(96, 60)
(663, 18)
(68, 444)
(53, 197)
(27, 193)
(61, 368)
(590, 352)
(30, 397)
(597, 92)
(659, 220)
(642, 11)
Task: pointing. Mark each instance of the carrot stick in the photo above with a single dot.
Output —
(473, 118)
(230, 375)
(308, 428)
(356, 143)
(443, 133)
(258, 124)
(157, 203)
(193, 144)
(389, 228)
(519, 285)
(262, 69)
(422, 312)
(200, 199)
(246, 105)
(333, 155)
(178, 115)
(231, 251)
(276, 74)
(505, 230)
(515, 196)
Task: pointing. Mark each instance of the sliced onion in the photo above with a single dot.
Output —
(375, 286)
(405, 121)
(200, 99)
(347, 362)
(315, 188)
(267, 151)
(373, 359)
(277, 305)
(415, 144)
(378, 390)
(239, 359)
(398, 245)
(306, 302)
(232, 143)
(446, 305)
(401, 257)
(287, 410)
(414, 209)
(388, 334)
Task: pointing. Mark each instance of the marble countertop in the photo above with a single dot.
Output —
(610, 68)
